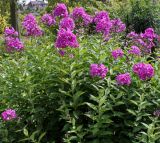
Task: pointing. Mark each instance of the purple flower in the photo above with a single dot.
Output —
(135, 50)
(149, 33)
(67, 23)
(31, 26)
(144, 40)
(71, 56)
(144, 71)
(78, 13)
(123, 79)
(65, 39)
(137, 67)
(150, 45)
(101, 15)
(133, 35)
(117, 25)
(117, 53)
(8, 114)
(60, 10)
(12, 41)
(98, 70)
(94, 70)
(156, 113)
(102, 71)
(62, 52)
(10, 31)
(141, 42)
(103, 26)
(48, 20)
(13, 44)
(87, 19)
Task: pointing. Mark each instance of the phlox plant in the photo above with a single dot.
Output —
(71, 88)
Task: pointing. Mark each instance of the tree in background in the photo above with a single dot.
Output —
(13, 14)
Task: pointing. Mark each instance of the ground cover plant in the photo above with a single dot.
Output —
(79, 78)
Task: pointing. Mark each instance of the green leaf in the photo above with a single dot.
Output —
(25, 131)
(41, 136)
(131, 111)
(91, 106)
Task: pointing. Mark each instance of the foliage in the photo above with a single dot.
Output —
(39, 81)
(3, 24)
(58, 101)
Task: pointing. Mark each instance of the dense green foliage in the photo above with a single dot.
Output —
(3, 24)
(57, 100)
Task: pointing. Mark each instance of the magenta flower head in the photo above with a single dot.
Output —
(10, 32)
(8, 114)
(94, 70)
(149, 33)
(62, 52)
(102, 71)
(65, 39)
(117, 25)
(135, 51)
(60, 10)
(98, 70)
(132, 35)
(101, 15)
(137, 67)
(144, 71)
(67, 23)
(78, 13)
(156, 113)
(48, 20)
(117, 53)
(103, 26)
(87, 19)
(12, 41)
(13, 44)
(123, 79)
(30, 25)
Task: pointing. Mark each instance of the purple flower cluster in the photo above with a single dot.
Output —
(123, 79)
(98, 70)
(62, 52)
(101, 15)
(8, 114)
(65, 39)
(135, 51)
(48, 20)
(157, 113)
(104, 26)
(31, 26)
(80, 14)
(144, 71)
(12, 41)
(149, 33)
(144, 40)
(67, 23)
(132, 35)
(107, 26)
(87, 19)
(117, 25)
(60, 10)
(10, 32)
(13, 44)
(117, 53)
(103, 22)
